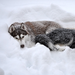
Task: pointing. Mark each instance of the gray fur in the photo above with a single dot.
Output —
(62, 36)
(65, 37)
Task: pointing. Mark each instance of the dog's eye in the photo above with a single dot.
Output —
(22, 37)
(16, 38)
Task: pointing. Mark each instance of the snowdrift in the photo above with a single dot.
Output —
(38, 60)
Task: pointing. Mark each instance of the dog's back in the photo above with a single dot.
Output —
(41, 27)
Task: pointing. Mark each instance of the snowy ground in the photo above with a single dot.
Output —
(37, 60)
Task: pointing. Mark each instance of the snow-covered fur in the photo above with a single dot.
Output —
(62, 37)
(25, 32)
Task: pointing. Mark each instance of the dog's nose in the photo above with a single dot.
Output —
(22, 46)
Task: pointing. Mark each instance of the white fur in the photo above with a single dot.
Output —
(70, 42)
(51, 46)
(60, 48)
(21, 35)
(26, 41)
(17, 37)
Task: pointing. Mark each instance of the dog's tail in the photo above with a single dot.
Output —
(73, 43)
(45, 40)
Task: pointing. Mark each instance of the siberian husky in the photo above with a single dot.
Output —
(25, 32)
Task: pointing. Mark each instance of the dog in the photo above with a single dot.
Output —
(25, 32)
(58, 38)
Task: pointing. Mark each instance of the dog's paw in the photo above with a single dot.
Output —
(61, 49)
(55, 49)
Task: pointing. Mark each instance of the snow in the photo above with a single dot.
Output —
(38, 60)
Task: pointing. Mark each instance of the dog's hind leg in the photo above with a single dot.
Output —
(62, 47)
(43, 39)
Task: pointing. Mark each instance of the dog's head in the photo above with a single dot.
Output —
(17, 30)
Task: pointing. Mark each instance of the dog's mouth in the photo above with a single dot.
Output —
(22, 46)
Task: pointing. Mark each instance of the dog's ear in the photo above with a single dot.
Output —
(11, 29)
(23, 26)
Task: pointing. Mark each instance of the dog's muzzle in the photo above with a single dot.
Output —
(22, 46)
